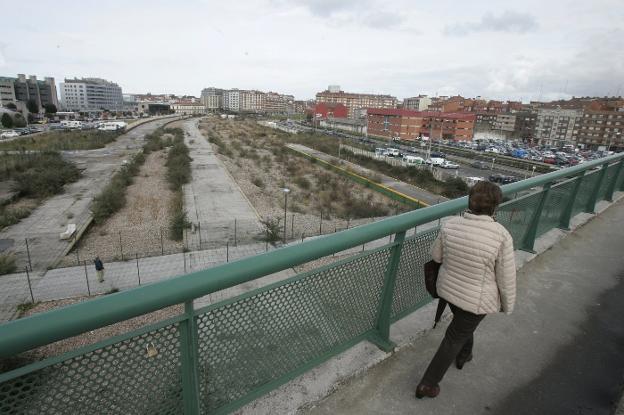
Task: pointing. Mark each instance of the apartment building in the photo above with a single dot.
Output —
(355, 103)
(601, 128)
(91, 94)
(231, 100)
(212, 98)
(411, 125)
(251, 101)
(26, 89)
(275, 103)
(7, 90)
(419, 103)
(555, 127)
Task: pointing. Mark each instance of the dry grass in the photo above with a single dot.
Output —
(259, 161)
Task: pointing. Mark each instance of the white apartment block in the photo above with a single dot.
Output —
(91, 94)
(231, 100)
(555, 127)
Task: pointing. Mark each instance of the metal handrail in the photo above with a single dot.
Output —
(40, 329)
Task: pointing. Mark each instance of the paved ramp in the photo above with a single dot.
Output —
(560, 352)
(213, 199)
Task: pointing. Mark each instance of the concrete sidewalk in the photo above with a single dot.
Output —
(560, 352)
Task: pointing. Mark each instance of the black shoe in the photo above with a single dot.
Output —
(423, 390)
(460, 362)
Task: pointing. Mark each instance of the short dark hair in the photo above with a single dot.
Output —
(484, 198)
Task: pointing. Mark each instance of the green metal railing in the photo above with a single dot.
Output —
(217, 358)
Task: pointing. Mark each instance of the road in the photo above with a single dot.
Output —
(213, 199)
(48, 220)
(402, 187)
(465, 169)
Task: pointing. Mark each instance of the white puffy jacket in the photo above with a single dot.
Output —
(478, 272)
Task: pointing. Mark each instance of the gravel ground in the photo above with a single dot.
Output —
(268, 199)
(87, 338)
(139, 222)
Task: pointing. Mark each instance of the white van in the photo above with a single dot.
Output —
(413, 160)
(436, 161)
(393, 152)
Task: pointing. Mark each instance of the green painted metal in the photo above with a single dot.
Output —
(215, 359)
(614, 180)
(591, 203)
(381, 336)
(188, 353)
(566, 215)
(529, 238)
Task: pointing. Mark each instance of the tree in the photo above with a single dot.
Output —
(6, 120)
(19, 121)
(32, 106)
(10, 106)
(50, 108)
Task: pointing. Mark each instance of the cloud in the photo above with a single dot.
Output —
(353, 12)
(507, 22)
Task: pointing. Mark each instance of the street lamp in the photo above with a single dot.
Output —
(286, 191)
(533, 172)
(493, 160)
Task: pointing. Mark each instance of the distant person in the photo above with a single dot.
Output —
(477, 277)
(99, 269)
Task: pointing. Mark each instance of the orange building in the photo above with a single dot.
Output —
(411, 125)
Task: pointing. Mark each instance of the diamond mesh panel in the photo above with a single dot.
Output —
(409, 289)
(268, 334)
(122, 378)
(602, 193)
(589, 182)
(516, 215)
(554, 206)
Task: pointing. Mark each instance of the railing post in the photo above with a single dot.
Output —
(529, 237)
(591, 203)
(189, 363)
(566, 215)
(381, 337)
(611, 188)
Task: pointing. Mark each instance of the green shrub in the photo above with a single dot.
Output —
(44, 175)
(302, 182)
(257, 182)
(179, 221)
(7, 264)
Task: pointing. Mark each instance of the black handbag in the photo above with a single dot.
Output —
(432, 269)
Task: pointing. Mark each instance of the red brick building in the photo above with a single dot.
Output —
(410, 125)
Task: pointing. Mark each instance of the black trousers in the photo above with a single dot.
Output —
(457, 342)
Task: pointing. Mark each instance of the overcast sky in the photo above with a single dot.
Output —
(496, 49)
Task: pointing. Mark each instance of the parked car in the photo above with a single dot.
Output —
(479, 165)
(502, 179)
(549, 160)
(448, 165)
(437, 154)
(9, 134)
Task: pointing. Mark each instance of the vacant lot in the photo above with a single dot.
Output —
(138, 226)
(262, 166)
(63, 140)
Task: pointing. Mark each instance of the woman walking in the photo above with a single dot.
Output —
(477, 277)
